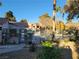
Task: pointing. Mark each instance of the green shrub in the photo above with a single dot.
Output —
(49, 51)
(47, 44)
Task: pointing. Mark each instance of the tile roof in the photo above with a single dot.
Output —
(19, 24)
(3, 20)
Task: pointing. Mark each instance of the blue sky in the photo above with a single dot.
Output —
(30, 9)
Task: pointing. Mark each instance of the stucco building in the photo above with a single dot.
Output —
(12, 32)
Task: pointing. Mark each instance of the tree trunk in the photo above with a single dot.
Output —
(54, 14)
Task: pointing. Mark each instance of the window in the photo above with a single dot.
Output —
(0, 28)
(13, 32)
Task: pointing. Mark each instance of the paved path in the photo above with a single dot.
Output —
(10, 48)
(21, 54)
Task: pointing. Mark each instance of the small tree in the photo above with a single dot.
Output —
(24, 20)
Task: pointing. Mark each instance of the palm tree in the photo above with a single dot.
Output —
(72, 7)
(54, 9)
(9, 15)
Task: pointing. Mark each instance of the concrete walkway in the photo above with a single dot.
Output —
(10, 48)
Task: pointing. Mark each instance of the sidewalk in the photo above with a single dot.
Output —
(10, 48)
